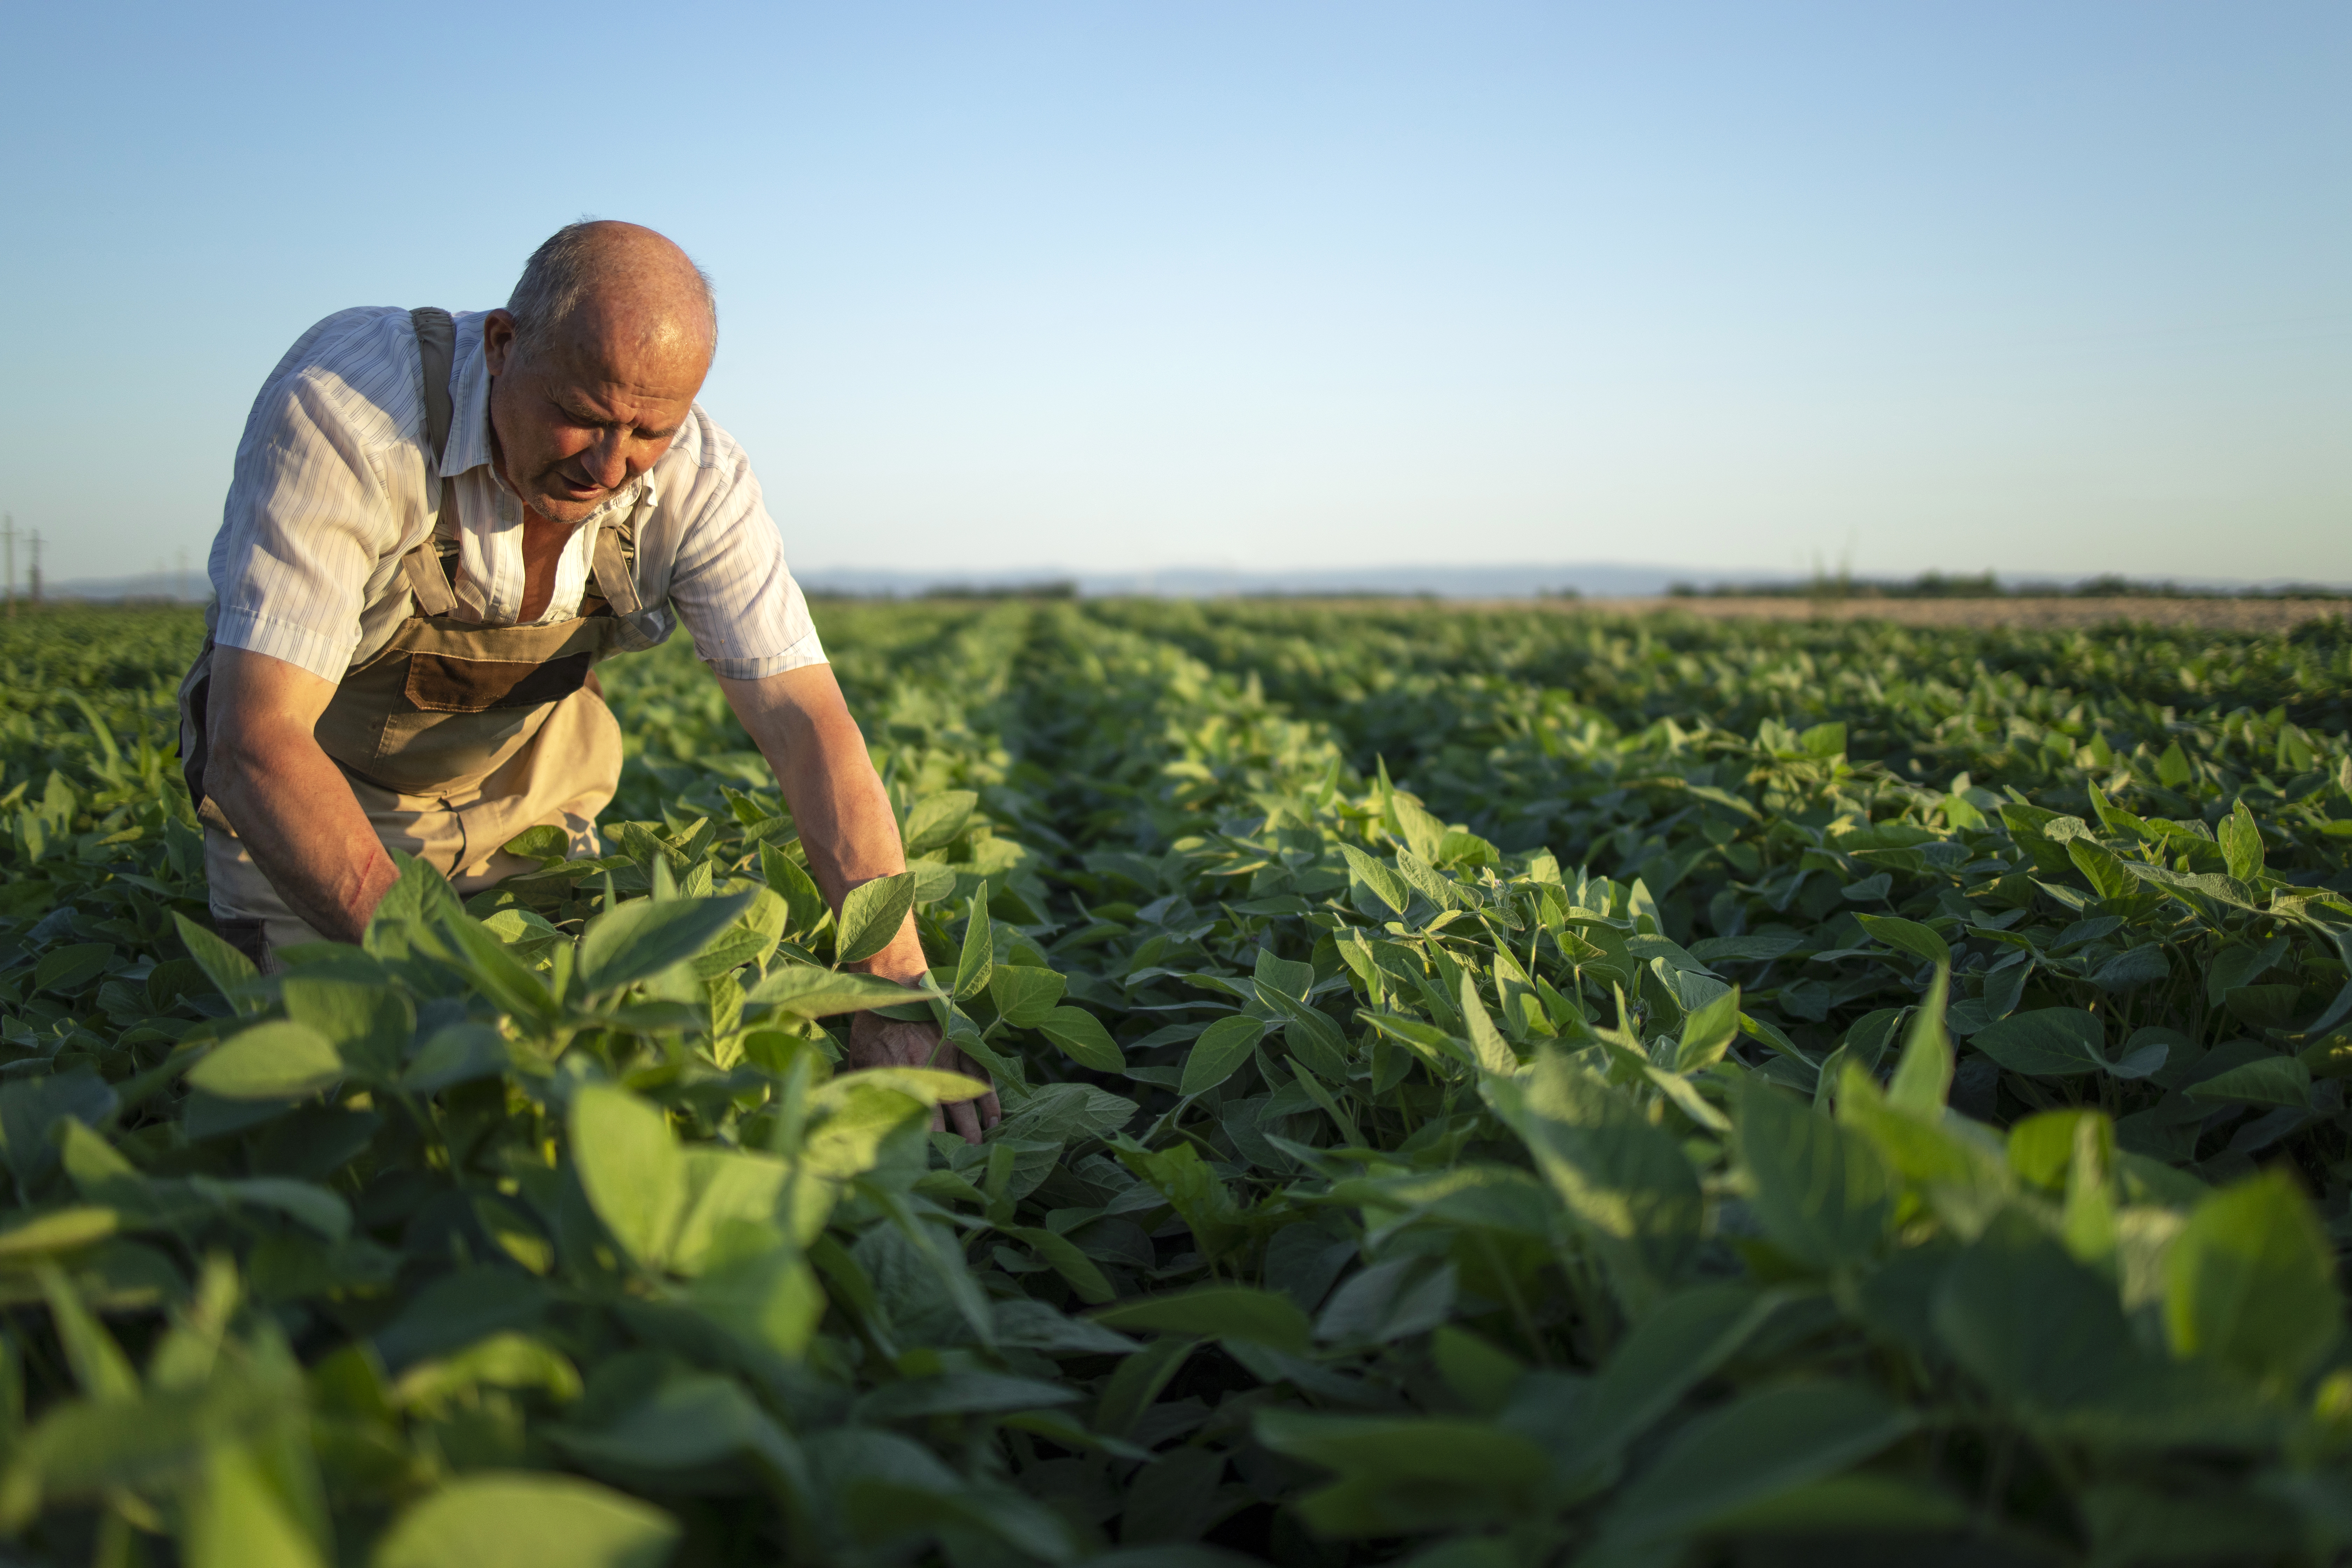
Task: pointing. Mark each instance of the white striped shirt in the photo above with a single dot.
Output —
(331, 489)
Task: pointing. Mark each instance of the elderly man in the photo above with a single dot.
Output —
(437, 525)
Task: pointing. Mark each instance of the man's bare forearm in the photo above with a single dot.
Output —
(848, 830)
(291, 807)
(801, 725)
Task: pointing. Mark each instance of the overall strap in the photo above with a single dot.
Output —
(609, 561)
(436, 347)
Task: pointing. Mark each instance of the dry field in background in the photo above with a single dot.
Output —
(2209, 614)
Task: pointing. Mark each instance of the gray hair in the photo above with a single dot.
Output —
(560, 273)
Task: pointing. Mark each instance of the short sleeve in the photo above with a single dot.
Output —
(310, 517)
(730, 582)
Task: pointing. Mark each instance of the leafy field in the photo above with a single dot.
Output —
(1489, 1090)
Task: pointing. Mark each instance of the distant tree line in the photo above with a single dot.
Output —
(1985, 585)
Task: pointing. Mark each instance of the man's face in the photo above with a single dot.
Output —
(587, 412)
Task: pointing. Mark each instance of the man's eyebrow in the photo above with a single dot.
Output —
(575, 406)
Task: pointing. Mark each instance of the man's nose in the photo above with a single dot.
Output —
(608, 461)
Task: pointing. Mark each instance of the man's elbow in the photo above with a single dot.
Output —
(228, 768)
(240, 755)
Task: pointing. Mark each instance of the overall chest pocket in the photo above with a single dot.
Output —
(449, 683)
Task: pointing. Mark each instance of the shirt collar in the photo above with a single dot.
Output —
(469, 418)
(469, 401)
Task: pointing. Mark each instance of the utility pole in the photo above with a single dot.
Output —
(36, 594)
(8, 539)
(180, 583)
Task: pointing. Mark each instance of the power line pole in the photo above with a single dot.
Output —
(36, 594)
(8, 538)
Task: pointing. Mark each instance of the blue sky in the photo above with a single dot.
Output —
(2037, 287)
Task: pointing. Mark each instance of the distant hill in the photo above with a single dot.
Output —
(1591, 580)
(1597, 579)
(189, 587)
(1177, 583)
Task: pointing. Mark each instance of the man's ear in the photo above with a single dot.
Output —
(498, 342)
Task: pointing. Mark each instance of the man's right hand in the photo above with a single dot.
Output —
(289, 804)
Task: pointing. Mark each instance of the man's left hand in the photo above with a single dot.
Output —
(879, 1042)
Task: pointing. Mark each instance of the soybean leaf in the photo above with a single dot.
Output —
(937, 819)
(1759, 1446)
(926, 1086)
(369, 1025)
(2250, 1281)
(72, 966)
(2042, 1147)
(1082, 1037)
(803, 904)
(871, 916)
(643, 938)
(546, 844)
(230, 970)
(1481, 1374)
(32, 1109)
(2049, 1041)
(1678, 1345)
(2241, 844)
(1215, 1312)
(1314, 1038)
(1402, 1474)
(1025, 996)
(2143, 1058)
(98, 1364)
(276, 1060)
(2039, 1328)
(2101, 868)
(1070, 1261)
(1707, 1032)
(1919, 941)
(1923, 1076)
(461, 1053)
(1862, 1503)
(1385, 884)
(631, 1169)
(978, 948)
(236, 1516)
(495, 971)
(1822, 1192)
(961, 1393)
(1218, 1053)
(2266, 1081)
(1494, 1053)
(804, 991)
(1138, 1382)
(488, 1519)
(313, 1205)
(61, 1230)
(1627, 1182)
(1743, 949)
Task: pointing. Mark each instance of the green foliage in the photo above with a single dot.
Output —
(1511, 1088)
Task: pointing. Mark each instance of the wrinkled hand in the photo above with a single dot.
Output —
(878, 1042)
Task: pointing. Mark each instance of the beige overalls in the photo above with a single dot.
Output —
(455, 737)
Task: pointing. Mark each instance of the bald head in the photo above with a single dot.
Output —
(594, 364)
(610, 290)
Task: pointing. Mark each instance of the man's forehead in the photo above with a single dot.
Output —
(615, 396)
(621, 325)
(621, 380)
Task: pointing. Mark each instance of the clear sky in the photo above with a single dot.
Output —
(2040, 288)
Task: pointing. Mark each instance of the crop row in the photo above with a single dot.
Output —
(1507, 1088)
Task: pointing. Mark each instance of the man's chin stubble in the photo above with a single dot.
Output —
(563, 508)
